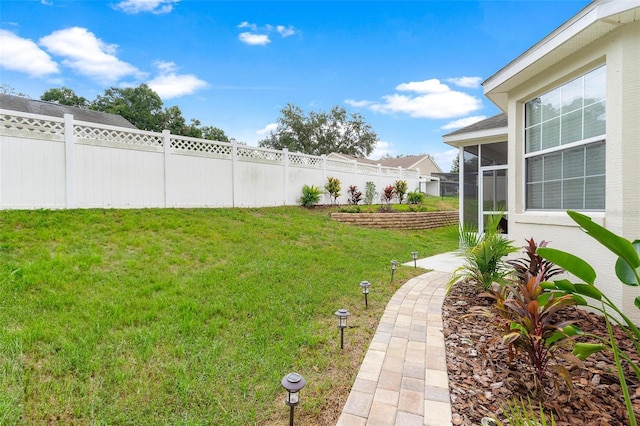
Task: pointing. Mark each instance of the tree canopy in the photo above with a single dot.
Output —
(64, 96)
(142, 107)
(322, 133)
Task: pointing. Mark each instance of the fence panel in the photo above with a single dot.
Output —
(47, 162)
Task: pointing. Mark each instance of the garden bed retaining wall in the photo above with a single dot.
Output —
(408, 220)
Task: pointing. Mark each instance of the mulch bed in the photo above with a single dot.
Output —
(481, 379)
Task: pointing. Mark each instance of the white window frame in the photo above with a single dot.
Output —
(559, 148)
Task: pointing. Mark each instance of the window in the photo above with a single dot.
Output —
(565, 133)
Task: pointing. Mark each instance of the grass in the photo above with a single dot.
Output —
(164, 316)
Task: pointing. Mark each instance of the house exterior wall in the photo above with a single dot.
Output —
(427, 167)
(619, 51)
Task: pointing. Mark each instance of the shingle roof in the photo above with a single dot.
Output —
(495, 122)
(32, 106)
(404, 162)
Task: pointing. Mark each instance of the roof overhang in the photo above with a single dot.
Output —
(478, 137)
(590, 24)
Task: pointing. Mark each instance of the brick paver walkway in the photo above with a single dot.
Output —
(403, 378)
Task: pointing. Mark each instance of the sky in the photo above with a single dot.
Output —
(412, 69)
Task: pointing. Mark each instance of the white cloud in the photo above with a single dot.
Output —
(285, 31)
(427, 86)
(171, 85)
(463, 122)
(357, 104)
(433, 100)
(157, 7)
(259, 36)
(468, 82)
(23, 55)
(88, 55)
(254, 39)
(165, 66)
(266, 130)
(445, 159)
(436, 105)
(381, 149)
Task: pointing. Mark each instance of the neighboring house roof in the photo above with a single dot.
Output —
(17, 103)
(591, 23)
(424, 163)
(347, 157)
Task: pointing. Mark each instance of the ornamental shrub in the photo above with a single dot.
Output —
(370, 192)
(333, 189)
(310, 195)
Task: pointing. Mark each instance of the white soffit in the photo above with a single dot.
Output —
(592, 23)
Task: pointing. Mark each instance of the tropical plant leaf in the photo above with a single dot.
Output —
(625, 273)
(584, 350)
(580, 301)
(570, 263)
(618, 245)
(561, 371)
(636, 301)
(565, 285)
(588, 290)
(572, 359)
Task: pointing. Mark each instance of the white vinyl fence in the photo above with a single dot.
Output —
(53, 163)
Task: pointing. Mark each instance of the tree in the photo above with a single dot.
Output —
(214, 134)
(455, 165)
(173, 121)
(322, 133)
(64, 96)
(6, 89)
(140, 105)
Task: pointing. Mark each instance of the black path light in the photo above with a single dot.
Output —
(394, 266)
(414, 254)
(365, 290)
(293, 382)
(342, 315)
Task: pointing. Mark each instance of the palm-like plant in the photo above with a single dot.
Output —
(483, 254)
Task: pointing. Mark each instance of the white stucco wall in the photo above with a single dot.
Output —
(620, 51)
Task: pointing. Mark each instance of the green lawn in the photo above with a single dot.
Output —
(165, 316)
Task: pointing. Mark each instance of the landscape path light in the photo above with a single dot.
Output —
(414, 254)
(394, 265)
(342, 315)
(293, 382)
(365, 290)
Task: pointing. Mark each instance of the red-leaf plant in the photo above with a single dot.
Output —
(527, 318)
(387, 195)
(531, 265)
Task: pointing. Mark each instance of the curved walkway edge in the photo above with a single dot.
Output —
(403, 378)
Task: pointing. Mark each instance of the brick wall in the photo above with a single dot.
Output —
(409, 220)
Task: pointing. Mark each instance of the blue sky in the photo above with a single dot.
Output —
(412, 68)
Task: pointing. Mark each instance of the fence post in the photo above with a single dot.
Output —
(324, 175)
(234, 163)
(286, 175)
(166, 143)
(69, 163)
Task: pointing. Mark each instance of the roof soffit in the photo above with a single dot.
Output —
(592, 23)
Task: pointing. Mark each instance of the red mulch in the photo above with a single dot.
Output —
(481, 379)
